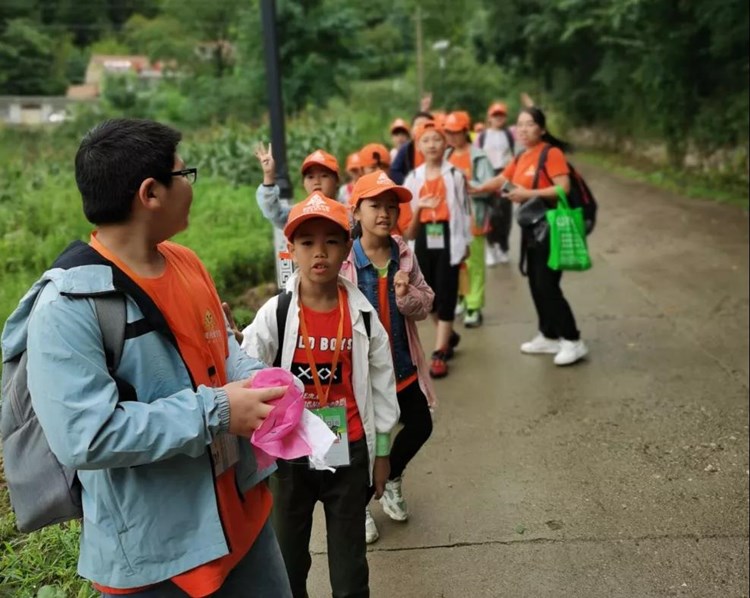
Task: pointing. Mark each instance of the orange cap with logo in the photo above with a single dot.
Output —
(497, 108)
(399, 125)
(374, 184)
(374, 154)
(321, 158)
(353, 161)
(479, 127)
(316, 205)
(457, 121)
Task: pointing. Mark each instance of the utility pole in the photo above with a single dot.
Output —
(420, 58)
(284, 266)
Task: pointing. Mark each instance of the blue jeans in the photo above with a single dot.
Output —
(261, 574)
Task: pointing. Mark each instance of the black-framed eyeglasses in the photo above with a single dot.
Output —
(191, 174)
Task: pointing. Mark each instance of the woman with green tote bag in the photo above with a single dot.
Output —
(523, 181)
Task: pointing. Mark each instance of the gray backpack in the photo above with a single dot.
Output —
(42, 490)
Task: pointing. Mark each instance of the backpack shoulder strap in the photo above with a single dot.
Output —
(541, 165)
(282, 311)
(368, 323)
(112, 315)
(482, 138)
(511, 141)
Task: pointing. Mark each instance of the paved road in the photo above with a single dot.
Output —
(623, 477)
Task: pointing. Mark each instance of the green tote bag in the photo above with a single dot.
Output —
(567, 236)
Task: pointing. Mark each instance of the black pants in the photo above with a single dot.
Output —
(438, 273)
(556, 319)
(501, 221)
(296, 488)
(417, 427)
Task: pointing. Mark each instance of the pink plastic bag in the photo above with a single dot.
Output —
(279, 436)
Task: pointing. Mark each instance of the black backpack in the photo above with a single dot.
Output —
(282, 310)
(579, 196)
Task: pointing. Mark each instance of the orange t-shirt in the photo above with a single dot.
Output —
(418, 158)
(186, 296)
(522, 170)
(435, 187)
(322, 328)
(384, 313)
(404, 219)
(462, 161)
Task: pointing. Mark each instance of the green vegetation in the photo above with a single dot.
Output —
(648, 71)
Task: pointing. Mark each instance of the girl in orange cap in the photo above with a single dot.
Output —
(353, 171)
(441, 228)
(387, 272)
(374, 156)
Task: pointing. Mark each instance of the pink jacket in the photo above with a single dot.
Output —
(416, 305)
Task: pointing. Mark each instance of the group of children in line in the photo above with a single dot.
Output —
(394, 251)
(371, 263)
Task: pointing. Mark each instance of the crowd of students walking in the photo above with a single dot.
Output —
(174, 503)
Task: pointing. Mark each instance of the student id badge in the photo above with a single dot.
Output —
(225, 452)
(334, 416)
(435, 232)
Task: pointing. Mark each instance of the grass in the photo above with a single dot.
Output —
(727, 188)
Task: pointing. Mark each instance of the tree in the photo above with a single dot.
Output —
(30, 60)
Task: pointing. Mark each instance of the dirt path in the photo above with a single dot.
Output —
(623, 477)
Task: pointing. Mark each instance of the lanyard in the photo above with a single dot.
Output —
(323, 396)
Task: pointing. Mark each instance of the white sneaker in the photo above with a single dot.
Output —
(473, 318)
(393, 501)
(541, 344)
(570, 352)
(371, 530)
(502, 257)
(490, 255)
(460, 308)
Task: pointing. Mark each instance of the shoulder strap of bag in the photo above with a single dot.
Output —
(282, 311)
(482, 138)
(511, 141)
(112, 316)
(368, 325)
(541, 166)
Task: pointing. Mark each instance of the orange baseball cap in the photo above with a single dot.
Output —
(375, 183)
(353, 161)
(316, 205)
(457, 121)
(374, 153)
(479, 127)
(497, 108)
(399, 124)
(321, 158)
(430, 125)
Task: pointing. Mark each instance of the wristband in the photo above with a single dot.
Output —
(382, 445)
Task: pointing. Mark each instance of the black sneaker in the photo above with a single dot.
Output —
(452, 344)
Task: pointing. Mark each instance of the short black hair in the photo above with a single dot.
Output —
(422, 114)
(115, 157)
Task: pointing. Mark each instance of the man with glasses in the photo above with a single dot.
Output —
(173, 502)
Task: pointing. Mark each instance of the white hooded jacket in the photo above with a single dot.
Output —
(372, 365)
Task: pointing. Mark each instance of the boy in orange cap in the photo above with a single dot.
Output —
(333, 341)
(400, 135)
(320, 172)
(374, 156)
(353, 171)
(498, 143)
(477, 169)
